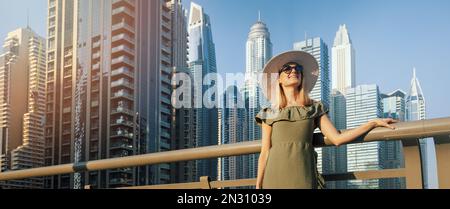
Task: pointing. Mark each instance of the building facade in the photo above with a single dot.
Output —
(391, 153)
(108, 88)
(232, 119)
(363, 105)
(416, 110)
(343, 61)
(322, 90)
(202, 64)
(258, 53)
(22, 98)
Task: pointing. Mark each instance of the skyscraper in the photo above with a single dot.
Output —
(184, 128)
(391, 155)
(202, 64)
(416, 110)
(258, 53)
(343, 76)
(22, 98)
(334, 159)
(363, 105)
(322, 91)
(232, 119)
(108, 88)
(343, 61)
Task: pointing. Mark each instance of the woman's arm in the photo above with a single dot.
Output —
(337, 138)
(266, 144)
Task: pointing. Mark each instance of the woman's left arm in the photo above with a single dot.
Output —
(337, 138)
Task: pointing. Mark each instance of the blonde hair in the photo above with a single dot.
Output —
(281, 101)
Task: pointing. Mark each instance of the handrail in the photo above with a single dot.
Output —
(406, 131)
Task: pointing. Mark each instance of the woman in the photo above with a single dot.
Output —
(287, 159)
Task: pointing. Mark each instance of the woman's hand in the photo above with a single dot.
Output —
(383, 122)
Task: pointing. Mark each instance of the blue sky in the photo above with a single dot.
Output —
(390, 36)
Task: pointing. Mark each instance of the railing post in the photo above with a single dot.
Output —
(413, 164)
(205, 182)
(443, 160)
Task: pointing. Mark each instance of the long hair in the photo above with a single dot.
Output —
(281, 101)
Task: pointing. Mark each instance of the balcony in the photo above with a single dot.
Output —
(123, 94)
(120, 181)
(122, 111)
(128, 3)
(166, 49)
(122, 146)
(122, 71)
(121, 133)
(123, 11)
(407, 132)
(123, 27)
(122, 122)
(122, 170)
(122, 83)
(123, 37)
(96, 66)
(123, 50)
(96, 45)
(122, 61)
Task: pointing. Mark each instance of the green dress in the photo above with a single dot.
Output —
(292, 161)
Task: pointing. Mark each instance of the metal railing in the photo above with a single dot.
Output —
(407, 132)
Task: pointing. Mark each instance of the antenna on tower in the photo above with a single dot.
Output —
(259, 15)
(28, 18)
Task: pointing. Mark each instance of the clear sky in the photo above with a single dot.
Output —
(390, 36)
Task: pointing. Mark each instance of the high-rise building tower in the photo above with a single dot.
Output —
(363, 105)
(416, 110)
(22, 98)
(184, 128)
(258, 53)
(343, 61)
(232, 119)
(322, 91)
(202, 64)
(108, 88)
(334, 159)
(391, 155)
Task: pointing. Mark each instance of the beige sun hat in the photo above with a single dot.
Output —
(270, 73)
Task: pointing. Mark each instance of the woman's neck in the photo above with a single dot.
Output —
(292, 95)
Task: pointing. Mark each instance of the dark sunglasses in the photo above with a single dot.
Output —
(287, 68)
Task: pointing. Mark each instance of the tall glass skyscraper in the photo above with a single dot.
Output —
(322, 91)
(202, 62)
(258, 53)
(391, 155)
(335, 158)
(416, 110)
(363, 104)
(232, 118)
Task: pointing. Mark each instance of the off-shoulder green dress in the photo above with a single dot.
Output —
(292, 160)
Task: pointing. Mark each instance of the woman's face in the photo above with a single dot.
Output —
(290, 77)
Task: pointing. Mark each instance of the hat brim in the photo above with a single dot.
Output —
(270, 73)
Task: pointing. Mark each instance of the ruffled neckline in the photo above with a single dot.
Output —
(291, 113)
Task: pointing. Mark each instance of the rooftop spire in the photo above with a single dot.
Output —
(28, 18)
(259, 15)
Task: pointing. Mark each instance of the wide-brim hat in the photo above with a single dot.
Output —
(270, 72)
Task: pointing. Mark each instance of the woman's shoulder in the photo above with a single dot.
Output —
(318, 103)
(320, 107)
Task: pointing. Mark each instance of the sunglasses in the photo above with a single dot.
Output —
(287, 68)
